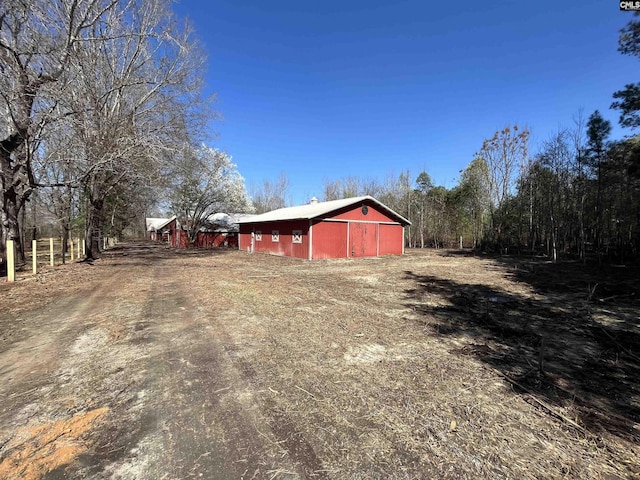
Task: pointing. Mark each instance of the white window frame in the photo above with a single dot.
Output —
(258, 235)
(275, 236)
(296, 236)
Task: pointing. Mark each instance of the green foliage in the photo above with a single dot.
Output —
(598, 131)
(628, 99)
(629, 105)
(629, 39)
(424, 182)
(474, 197)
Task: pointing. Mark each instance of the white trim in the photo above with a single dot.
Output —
(310, 240)
(402, 240)
(340, 220)
(316, 210)
(348, 238)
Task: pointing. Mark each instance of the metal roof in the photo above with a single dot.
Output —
(157, 223)
(225, 222)
(229, 219)
(315, 210)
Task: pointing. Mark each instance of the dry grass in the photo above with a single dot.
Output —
(351, 356)
(424, 366)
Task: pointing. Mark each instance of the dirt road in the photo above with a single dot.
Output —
(121, 374)
(152, 364)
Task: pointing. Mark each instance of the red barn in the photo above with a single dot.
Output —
(220, 231)
(161, 229)
(351, 227)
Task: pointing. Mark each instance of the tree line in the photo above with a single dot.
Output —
(103, 115)
(102, 112)
(578, 194)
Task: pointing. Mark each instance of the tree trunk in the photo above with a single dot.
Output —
(34, 228)
(65, 243)
(95, 211)
(15, 190)
(66, 218)
(422, 227)
(10, 224)
(22, 215)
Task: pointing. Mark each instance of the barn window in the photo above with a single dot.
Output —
(365, 209)
(296, 236)
(275, 235)
(258, 235)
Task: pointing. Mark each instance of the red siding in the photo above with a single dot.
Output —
(329, 240)
(179, 238)
(355, 213)
(172, 233)
(244, 237)
(363, 239)
(216, 239)
(284, 246)
(344, 233)
(391, 238)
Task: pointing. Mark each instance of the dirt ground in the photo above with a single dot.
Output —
(152, 363)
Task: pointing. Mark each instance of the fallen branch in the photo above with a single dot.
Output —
(605, 299)
(23, 393)
(587, 404)
(628, 352)
(308, 393)
(547, 407)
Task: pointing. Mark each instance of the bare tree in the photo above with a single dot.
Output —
(579, 185)
(56, 170)
(351, 187)
(133, 95)
(504, 154)
(556, 157)
(272, 194)
(37, 43)
(123, 77)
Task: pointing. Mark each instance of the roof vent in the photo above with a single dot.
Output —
(313, 201)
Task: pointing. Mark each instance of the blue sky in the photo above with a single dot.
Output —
(327, 89)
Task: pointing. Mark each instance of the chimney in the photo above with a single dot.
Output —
(313, 201)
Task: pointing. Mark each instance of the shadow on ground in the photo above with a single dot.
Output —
(143, 253)
(577, 345)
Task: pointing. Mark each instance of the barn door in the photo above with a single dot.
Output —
(362, 239)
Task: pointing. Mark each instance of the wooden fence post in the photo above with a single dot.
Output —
(78, 247)
(11, 261)
(34, 255)
(104, 243)
(71, 248)
(84, 249)
(51, 261)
